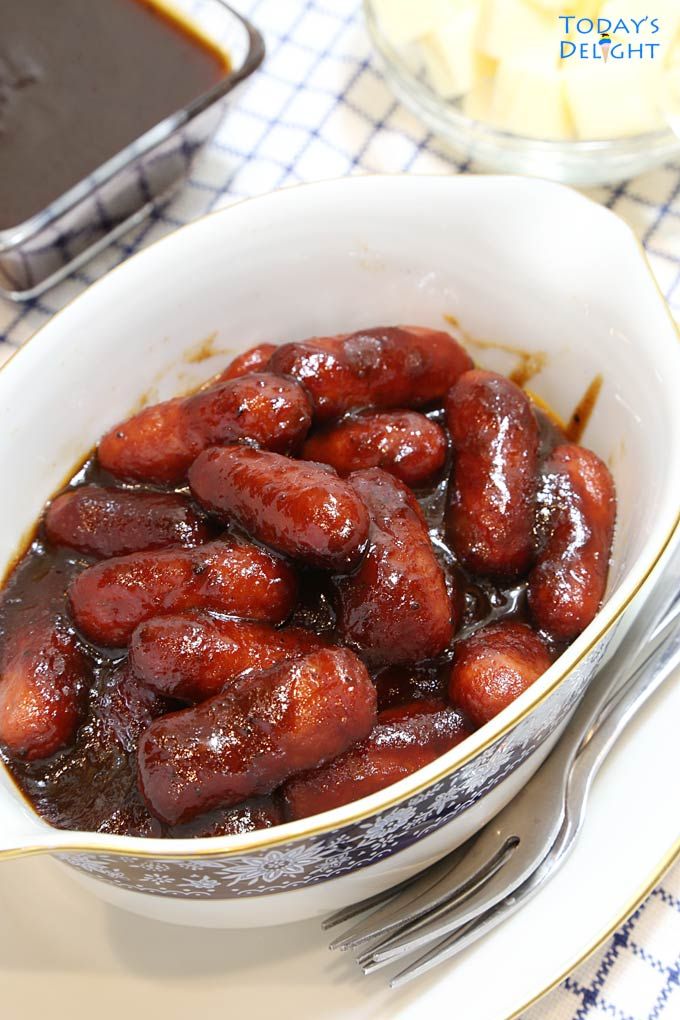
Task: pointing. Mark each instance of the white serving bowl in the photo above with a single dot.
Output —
(515, 261)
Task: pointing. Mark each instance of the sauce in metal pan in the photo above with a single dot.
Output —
(81, 80)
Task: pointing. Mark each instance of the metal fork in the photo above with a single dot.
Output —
(648, 677)
(468, 893)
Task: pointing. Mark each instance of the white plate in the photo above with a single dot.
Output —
(66, 954)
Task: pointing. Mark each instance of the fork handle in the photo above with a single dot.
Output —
(647, 678)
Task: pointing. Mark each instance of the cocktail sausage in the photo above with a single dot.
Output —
(494, 666)
(246, 741)
(191, 656)
(255, 359)
(303, 510)
(107, 522)
(403, 741)
(389, 366)
(233, 577)
(495, 439)
(160, 443)
(43, 675)
(405, 443)
(395, 608)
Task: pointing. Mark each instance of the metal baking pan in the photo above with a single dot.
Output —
(121, 192)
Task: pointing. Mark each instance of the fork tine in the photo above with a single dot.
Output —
(467, 934)
(391, 914)
(384, 952)
(361, 906)
(460, 928)
(444, 950)
(443, 883)
(502, 882)
(386, 896)
(477, 856)
(436, 908)
(455, 943)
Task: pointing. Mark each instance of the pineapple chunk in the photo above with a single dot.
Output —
(477, 102)
(530, 100)
(581, 9)
(559, 6)
(452, 62)
(516, 30)
(404, 21)
(620, 99)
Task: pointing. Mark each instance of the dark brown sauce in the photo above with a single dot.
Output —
(81, 80)
(580, 417)
(202, 351)
(529, 366)
(529, 363)
(92, 785)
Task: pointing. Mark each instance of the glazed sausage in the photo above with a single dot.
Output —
(233, 577)
(301, 509)
(389, 366)
(246, 741)
(494, 666)
(113, 522)
(403, 741)
(192, 656)
(575, 522)
(255, 359)
(160, 443)
(395, 608)
(405, 443)
(43, 678)
(495, 440)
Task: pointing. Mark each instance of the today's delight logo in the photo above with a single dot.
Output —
(604, 39)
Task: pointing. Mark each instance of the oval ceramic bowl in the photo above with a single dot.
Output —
(517, 262)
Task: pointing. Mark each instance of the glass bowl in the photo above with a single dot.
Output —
(581, 163)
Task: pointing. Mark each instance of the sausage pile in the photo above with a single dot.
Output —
(295, 587)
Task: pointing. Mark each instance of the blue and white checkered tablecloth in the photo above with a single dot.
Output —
(319, 109)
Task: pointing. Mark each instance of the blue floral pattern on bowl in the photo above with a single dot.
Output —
(325, 855)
